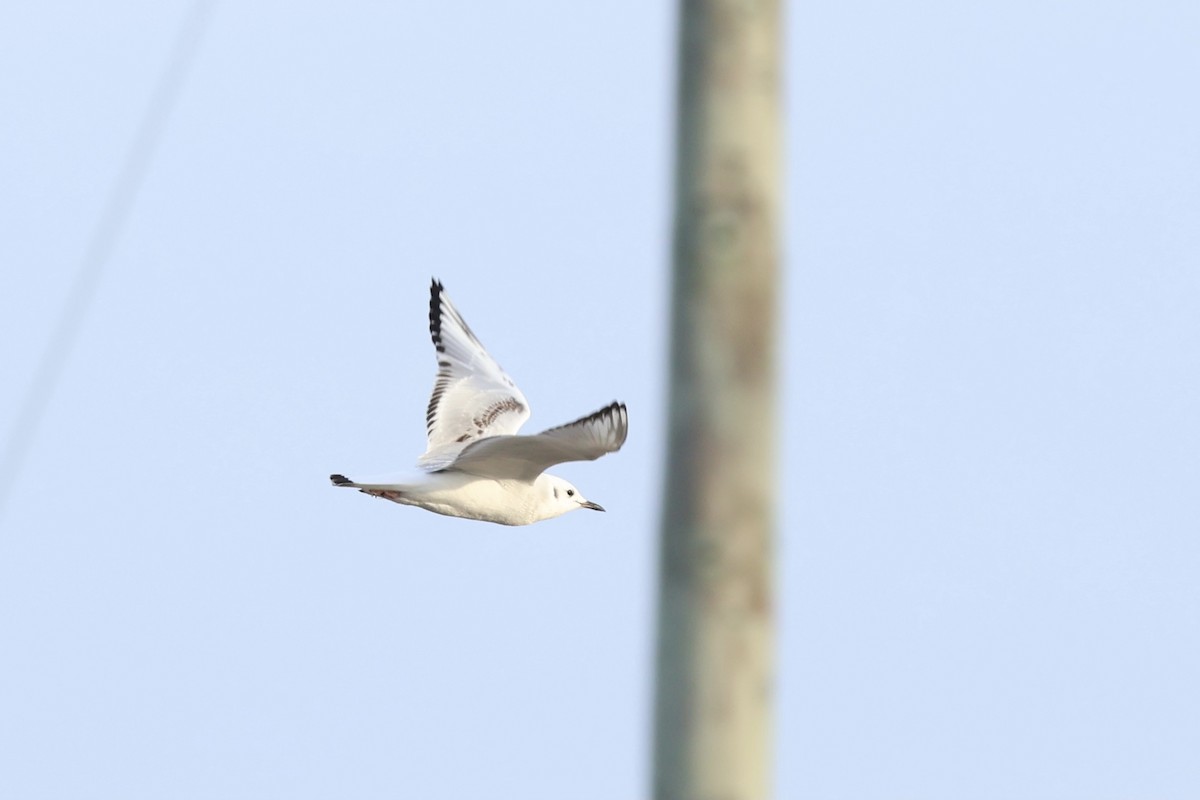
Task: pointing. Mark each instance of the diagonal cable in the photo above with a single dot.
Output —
(112, 220)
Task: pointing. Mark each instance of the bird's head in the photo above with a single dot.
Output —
(560, 496)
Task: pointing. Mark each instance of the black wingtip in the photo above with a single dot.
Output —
(619, 410)
(340, 480)
(435, 314)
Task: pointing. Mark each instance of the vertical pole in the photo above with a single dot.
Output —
(713, 720)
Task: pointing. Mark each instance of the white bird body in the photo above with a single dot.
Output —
(461, 494)
(476, 465)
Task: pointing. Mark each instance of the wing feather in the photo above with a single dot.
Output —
(472, 396)
(526, 457)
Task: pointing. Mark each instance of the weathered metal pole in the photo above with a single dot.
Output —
(713, 716)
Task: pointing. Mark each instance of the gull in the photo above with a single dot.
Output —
(476, 465)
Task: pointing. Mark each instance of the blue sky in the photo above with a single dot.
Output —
(988, 519)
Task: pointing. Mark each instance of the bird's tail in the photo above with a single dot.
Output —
(397, 482)
(376, 487)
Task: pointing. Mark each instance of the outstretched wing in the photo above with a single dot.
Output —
(526, 457)
(472, 397)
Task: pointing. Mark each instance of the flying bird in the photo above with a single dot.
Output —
(476, 465)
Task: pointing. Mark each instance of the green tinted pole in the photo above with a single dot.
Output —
(714, 675)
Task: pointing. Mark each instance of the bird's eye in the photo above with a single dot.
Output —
(570, 492)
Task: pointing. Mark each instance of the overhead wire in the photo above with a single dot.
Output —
(113, 217)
